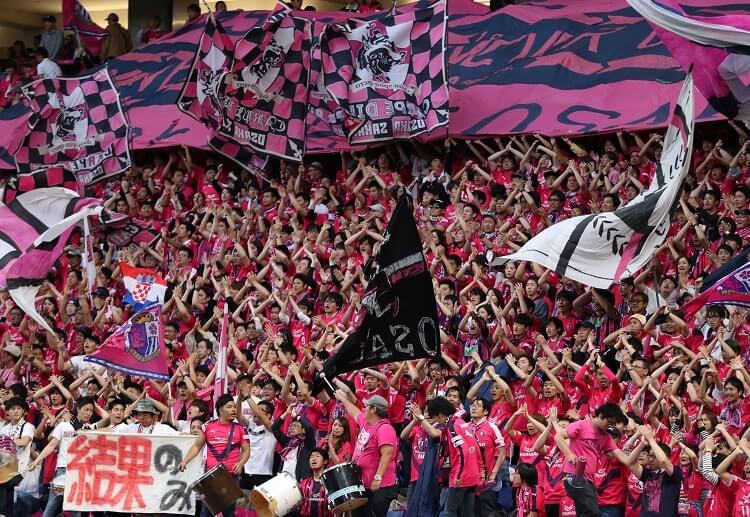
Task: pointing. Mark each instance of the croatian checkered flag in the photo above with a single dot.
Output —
(388, 73)
(199, 97)
(77, 124)
(266, 89)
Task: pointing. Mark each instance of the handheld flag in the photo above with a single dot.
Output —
(220, 381)
(137, 347)
(600, 249)
(715, 48)
(400, 322)
(143, 286)
(733, 289)
(34, 228)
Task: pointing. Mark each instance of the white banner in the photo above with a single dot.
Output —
(598, 250)
(130, 473)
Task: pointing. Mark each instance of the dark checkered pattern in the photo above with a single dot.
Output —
(242, 155)
(52, 177)
(199, 97)
(388, 74)
(77, 124)
(266, 112)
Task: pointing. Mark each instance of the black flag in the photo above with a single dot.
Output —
(401, 313)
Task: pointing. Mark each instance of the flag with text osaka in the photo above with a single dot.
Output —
(77, 124)
(265, 92)
(388, 74)
(136, 347)
(600, 249)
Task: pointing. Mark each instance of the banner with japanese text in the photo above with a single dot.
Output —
(130, 473)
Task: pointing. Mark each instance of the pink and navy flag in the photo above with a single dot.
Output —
(199, 97)
(388, 74)
(34, 228)
(733, 289)
(220, 380)
(266, 91)
(715, 47)
(77, 19)
(54, 177)
(325, 118)
(136, 347)
(143, 287)
(77, 124)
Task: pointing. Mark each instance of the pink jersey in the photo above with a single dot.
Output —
(589, 443)
(490, 442)
(741, 498)
(367, 450)
(466, 463)
(218, 440)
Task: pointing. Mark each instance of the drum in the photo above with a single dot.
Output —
(7, 450)
(276, 497)
(217, 489)
(8, 460)
(343, 483)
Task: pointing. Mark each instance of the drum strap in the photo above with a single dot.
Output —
(224, 455)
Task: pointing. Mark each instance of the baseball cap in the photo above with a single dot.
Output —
(12, 350)
(377, 402)
(113, 17)
(640, 317)
(145, 406)
(316, 165)
(101, 292)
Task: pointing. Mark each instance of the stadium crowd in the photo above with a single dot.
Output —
(548, 398)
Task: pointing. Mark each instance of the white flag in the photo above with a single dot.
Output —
(599, 250)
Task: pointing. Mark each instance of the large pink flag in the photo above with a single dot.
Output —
(137, 347)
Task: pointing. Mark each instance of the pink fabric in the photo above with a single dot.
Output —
(588, 443)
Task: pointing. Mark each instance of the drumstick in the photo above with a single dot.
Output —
(323, 376)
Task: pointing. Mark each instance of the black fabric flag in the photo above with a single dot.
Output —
(401, 313)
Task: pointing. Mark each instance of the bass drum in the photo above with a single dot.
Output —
(217, 489)
(343, 483)
(276, 497)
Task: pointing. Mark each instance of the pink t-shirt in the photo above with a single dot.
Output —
(367, 450)
(587, 442)
(217, 438)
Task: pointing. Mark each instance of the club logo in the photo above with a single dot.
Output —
(378, 56)
(142, 338)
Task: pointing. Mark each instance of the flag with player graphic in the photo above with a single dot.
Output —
(266, 90)
(77, 124)
(388, 73)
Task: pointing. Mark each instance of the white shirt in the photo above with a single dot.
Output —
(155, 428)
(262, 447)
(21, 429)
(64, 434)
(48, 69)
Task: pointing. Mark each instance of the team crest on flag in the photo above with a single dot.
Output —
(77, 124)
(199, 97)
(265, 92)
(388, 74)
(136, 347)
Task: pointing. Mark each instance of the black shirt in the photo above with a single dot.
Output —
(661, 492)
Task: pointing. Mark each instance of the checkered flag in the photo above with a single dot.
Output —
(199, 97)
(266, 89)
(77, 124)
(388, 73)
